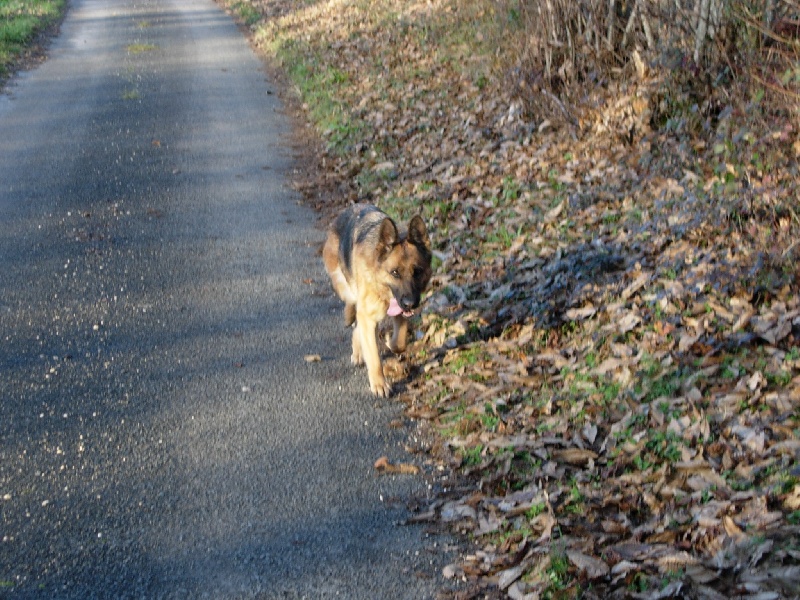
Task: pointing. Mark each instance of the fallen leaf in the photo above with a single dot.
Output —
(593, 567)
(574, 456)
(509, 576)
(452, 571)
(382, 465)
(577, 314)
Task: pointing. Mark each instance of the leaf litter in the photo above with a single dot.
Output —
(606, 366)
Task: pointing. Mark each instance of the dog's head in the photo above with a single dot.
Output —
(405, 264)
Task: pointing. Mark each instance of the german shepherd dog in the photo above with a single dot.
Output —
(378, 271)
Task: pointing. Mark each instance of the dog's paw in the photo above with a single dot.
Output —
(382, 389)
(395, 347)
(357, 357)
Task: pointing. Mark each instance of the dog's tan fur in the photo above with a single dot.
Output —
(370, 263)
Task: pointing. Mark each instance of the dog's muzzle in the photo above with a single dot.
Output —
(395, 310)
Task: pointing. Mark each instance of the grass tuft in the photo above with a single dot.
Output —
(20, 21)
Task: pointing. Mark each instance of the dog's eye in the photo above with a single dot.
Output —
(396, 274)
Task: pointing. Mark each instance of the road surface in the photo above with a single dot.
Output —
(161, 435)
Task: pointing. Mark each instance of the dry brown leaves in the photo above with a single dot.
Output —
(608, 356)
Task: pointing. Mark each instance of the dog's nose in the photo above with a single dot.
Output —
(407, 302)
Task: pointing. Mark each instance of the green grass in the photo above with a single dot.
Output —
(20, 21)
(140, 48)
(310, 63)
(557, 575)
(665, 445)
(247, 13)
(472, 456)
(535, 510)
(466, 359)
(320, 86)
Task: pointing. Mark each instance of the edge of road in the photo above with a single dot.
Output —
(304, 143)
(35, 51)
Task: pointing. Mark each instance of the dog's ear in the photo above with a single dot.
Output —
(387, 237)
(418, 233)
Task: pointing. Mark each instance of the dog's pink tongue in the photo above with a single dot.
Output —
(394, 308)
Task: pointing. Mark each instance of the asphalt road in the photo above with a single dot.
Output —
(161, 435)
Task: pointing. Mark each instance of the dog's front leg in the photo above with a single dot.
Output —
(357, 357)
(369, 347)
(397, 344)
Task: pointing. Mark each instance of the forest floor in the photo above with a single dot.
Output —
(607, 364)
